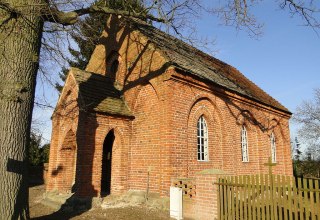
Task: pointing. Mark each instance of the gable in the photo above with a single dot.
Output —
(98, 94)
(145, 50)
(68, 100)
(92, 92)
(204, 66)
(139, 59)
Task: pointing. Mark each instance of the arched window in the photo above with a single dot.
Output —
(202, 136)
(273, 148)
(113, 63)
(244, 144)
(114, 69)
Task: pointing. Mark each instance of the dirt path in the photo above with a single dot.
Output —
(41, 212)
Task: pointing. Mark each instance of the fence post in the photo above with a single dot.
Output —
(207, 194)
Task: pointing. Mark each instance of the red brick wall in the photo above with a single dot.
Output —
(222, 112)
(92, 133)
(204, 205)
(145, 147)
(66, 162)
(206, 201)
(162, 137)
(61, 170)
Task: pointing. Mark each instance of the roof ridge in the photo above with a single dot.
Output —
(205, 54)
(204, 65)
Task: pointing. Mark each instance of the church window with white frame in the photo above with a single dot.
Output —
(244, 144)
(202, 137)
(273, 148)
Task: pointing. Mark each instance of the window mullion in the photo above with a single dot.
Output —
(244, 145)
(202, 136)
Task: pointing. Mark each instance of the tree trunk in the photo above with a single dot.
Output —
(20, 36)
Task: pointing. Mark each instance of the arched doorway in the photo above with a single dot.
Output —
(107, 164)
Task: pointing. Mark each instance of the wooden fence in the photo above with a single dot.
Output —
(268, 196)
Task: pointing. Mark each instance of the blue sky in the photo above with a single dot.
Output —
(284, 61)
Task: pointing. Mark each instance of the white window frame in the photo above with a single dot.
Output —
(244, 144)
(273, 148)
(202, 140)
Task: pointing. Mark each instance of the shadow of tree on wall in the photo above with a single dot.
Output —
(91, 105)
(240, 111)
(56, 171)
(95, 105)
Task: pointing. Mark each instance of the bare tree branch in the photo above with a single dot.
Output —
(237, 13)
(69, 18)
(308, 12)
(308, 116)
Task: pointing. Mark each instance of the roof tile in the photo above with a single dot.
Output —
(202, 65)
(99, 94)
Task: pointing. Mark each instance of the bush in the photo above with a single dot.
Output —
(37, 154)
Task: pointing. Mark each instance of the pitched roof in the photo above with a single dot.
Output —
(200, 64)
(98, 93)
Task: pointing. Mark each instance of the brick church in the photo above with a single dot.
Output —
(150, 108)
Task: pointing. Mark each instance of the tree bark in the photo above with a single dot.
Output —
(20, 37)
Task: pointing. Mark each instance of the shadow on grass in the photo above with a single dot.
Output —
(71, 208)
(35, 176)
